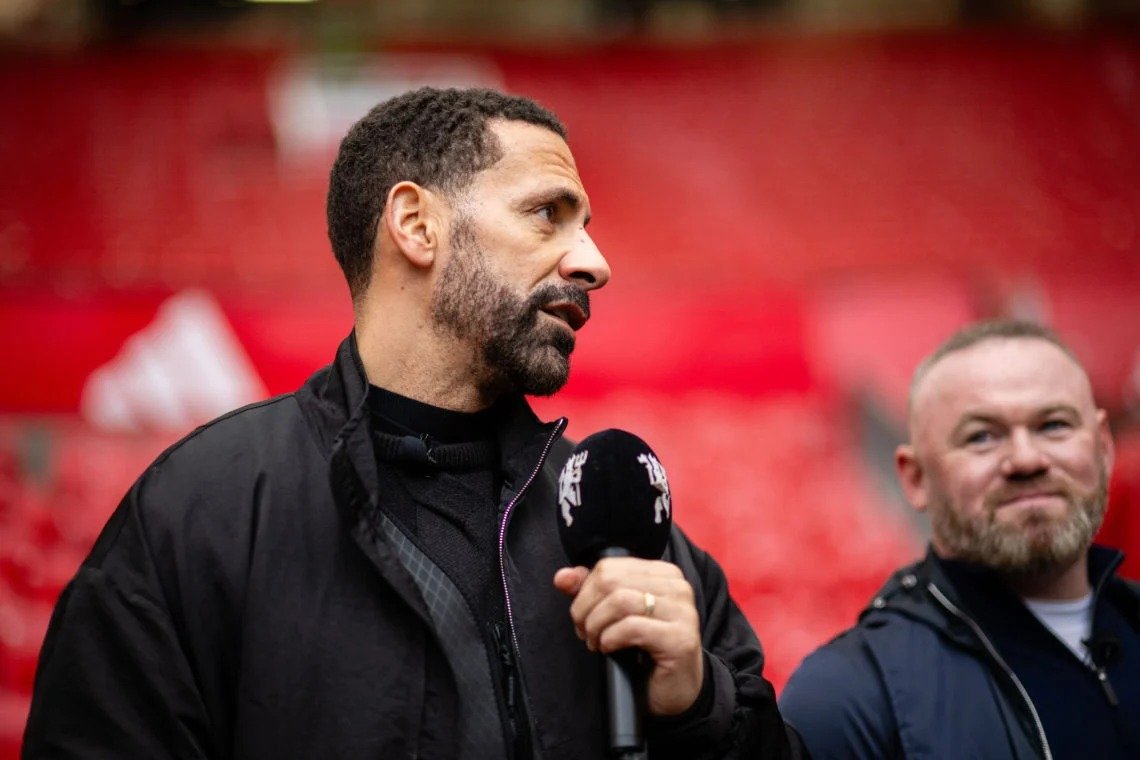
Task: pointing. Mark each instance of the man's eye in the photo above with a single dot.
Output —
(979, 437)
(547, 212)
(1055, 426)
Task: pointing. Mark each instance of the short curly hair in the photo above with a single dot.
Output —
(435, 138)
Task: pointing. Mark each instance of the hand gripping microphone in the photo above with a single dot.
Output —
(613, 501)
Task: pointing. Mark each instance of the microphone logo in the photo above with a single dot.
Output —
(570, 485)
(662, 506)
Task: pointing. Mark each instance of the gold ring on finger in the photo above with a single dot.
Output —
(650, 604)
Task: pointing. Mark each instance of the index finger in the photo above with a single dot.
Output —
(615, 573)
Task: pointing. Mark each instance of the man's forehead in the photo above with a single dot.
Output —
(530, 150)
(998, 371)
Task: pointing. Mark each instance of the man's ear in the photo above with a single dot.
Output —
(911, 476)
(412, 223)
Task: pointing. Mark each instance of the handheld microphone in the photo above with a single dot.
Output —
(614, 501)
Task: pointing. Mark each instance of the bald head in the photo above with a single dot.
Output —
(973, 334)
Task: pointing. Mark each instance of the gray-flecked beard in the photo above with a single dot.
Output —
(516, 352)
(1035, 545)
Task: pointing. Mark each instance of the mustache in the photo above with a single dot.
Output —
(552, 293)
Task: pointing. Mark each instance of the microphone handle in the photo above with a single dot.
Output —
(622, 702)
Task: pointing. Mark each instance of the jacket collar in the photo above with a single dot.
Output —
(907, 591)
(335, 395)
(335, 402)
(1103, 564)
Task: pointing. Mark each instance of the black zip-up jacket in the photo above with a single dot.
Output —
(250, 599)
(919, 677)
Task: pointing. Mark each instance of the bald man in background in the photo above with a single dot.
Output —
(1013, 638)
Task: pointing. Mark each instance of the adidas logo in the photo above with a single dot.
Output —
(185, 368)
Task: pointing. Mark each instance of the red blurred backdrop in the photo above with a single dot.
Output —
(792, 224)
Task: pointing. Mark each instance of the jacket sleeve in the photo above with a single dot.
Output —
(736, 715)
(113, 679)
(836, 701)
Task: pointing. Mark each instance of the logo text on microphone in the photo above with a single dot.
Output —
(569, 485)
(661, 507)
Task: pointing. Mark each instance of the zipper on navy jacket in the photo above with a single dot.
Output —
(1109, 692)
(1098, 669)
(952, 609)
(513, 643)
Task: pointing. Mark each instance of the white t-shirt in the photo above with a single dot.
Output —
(1070, 621)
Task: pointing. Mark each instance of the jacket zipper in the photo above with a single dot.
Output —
(508, 649)
(507, 659)
(558, 428)
(945, 602)
(1100, 670)
(1109, 692)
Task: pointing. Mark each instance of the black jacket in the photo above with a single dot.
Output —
(918, 677)
(250, 599)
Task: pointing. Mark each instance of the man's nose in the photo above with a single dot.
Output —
(584, 264)
(1024, 456)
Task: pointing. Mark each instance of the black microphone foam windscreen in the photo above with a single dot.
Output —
(612, 493)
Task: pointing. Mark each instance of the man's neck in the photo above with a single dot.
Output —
(416, 361)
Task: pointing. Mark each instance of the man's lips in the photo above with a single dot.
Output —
(1026, 497)
(569, 313)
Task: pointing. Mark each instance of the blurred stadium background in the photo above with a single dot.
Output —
(799, 198)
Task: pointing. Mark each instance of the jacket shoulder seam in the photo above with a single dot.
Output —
(193, 434)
